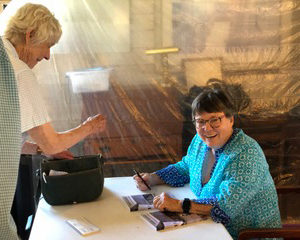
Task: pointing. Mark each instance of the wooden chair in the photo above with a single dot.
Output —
(288, 231)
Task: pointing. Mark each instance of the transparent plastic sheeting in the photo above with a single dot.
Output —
(252, 46)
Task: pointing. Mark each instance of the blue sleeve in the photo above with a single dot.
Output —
(217, 214)
(173, 176)
(177, 174)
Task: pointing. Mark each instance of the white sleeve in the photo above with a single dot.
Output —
(32, 104)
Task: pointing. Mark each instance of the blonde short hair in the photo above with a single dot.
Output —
(44, 27)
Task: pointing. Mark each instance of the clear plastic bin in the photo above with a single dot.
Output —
(90, 80)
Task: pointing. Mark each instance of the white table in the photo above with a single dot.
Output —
(115, 221)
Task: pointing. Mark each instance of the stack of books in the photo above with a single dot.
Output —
(156, 219)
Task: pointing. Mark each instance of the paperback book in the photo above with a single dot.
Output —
(163, 220)
(83, 226)
(139, 202)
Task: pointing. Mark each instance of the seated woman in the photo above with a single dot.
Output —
(226, 169)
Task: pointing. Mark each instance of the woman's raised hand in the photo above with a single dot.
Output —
(96, 123)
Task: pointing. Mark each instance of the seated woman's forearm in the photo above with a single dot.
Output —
(197, 208)
(203, 209)
(165, 202)
(155, 180)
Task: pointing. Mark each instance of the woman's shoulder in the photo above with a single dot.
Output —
(196, 145)
(18, 65)
(243, 141)
(243, 147)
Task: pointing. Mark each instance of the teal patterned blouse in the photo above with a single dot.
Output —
(240, 189)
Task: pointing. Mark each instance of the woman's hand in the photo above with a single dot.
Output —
(63, 155)
(150, 178)
(96, 123)
(164, 202)
(139, 183)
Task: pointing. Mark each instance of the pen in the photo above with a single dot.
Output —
(137, 173)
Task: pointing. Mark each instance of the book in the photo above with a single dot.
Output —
(163, 220)
(139, 202)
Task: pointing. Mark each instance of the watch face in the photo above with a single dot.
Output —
(186, 205)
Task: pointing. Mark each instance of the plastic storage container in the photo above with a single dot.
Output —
(90, 80)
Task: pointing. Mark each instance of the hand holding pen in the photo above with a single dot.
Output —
(139, 178)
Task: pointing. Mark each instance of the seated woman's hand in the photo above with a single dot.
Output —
(139, 183)
(164, 202)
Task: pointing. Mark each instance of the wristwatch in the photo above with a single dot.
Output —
(186, 205)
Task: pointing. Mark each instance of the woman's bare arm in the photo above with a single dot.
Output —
(52, 142)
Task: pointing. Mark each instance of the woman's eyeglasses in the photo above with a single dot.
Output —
(213, 122)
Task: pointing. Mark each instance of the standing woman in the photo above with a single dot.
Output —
(28, 37)
(226, 169)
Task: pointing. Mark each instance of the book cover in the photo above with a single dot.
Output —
(139, 202)
(83, 226)
(162, 220)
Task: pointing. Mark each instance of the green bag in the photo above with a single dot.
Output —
(65, 181)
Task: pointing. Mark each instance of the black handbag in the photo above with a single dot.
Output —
(77, 180)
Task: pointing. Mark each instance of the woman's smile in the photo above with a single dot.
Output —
(213, 128)
(210, 135)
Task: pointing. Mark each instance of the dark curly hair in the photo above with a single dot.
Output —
(219, 96)
(212, 100)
